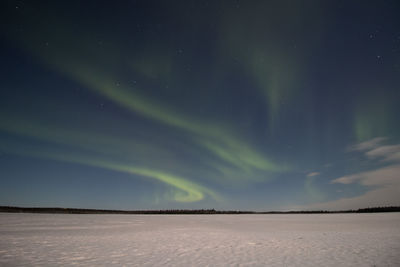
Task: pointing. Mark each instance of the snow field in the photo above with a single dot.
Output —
(200, 240)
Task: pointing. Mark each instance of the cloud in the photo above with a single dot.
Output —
(386, 190)
(389, 153)
(370, 144)
(384, 182)
(380, 177)
(311, 174)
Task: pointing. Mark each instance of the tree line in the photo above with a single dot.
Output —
(11, 209)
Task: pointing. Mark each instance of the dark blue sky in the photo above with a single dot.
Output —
(200, 104)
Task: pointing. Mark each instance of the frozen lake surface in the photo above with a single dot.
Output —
(200, 240)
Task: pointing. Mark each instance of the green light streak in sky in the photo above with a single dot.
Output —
(187, 191)
(274, 76)
(273, 69)
(230, 149)
(257, 38)
(131, 100)
(241, 156)
(244, 160)
(103, 145)
(192, 192)
(106, 145)
(87, 66)
(103, 80)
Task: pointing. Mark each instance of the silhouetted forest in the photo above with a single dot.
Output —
(184, 211)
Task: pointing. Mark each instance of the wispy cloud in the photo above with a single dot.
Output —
(311, 174)
(389, 153)
(384, 181)
(367, 145)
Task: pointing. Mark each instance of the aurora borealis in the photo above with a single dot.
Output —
(200, 104)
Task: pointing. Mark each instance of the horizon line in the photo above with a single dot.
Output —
(59, 210)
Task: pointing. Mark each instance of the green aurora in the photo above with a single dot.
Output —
(235, 105)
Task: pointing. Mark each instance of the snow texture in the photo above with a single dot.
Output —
(200, 240)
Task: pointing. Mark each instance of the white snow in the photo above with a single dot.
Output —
(200, 240)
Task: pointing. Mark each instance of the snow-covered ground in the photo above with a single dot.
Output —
(200, 240)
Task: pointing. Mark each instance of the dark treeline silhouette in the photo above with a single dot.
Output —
(184, 211)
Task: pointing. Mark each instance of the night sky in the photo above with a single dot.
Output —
(251, 105)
